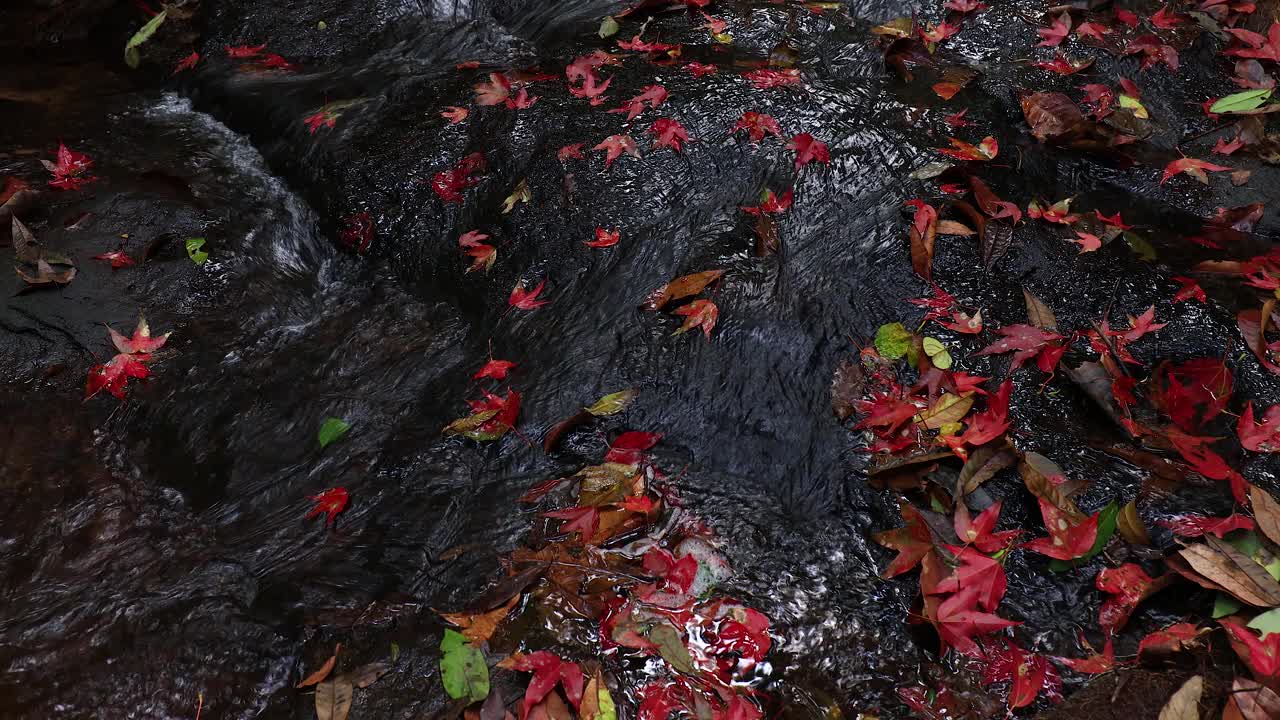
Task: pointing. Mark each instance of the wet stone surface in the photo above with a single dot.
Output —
(156, 548)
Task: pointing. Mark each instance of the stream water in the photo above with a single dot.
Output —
(156, 549)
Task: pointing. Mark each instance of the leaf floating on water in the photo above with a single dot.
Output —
(131, 55)
(332, 429)
(681, 287)
(672, 648)
(613, 403)
(479, 627)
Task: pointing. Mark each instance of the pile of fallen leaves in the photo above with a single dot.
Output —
(620, 561)
(936, 434)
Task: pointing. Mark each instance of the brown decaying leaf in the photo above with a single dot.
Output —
(324, 670)
(983, 464)
(551, 708)
(333, 699)
(1235, 573)
(508, 587)
(1266, 512)
(1254, 701)
(922, 246)
(951, 227)
(590, 709)
(1185, 703)
(1038, 313)
(1052, 116)
(1036, 470)
(681, 287)
(1131, 526)
(996, 240)
(479, 627)
(847, 385)
(367, 674)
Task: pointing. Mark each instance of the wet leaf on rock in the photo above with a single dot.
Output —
(847, 384)
(333, 699)
(671, 647)
(131, 55)
(681, 287)
(332, 429)
(1185, 703)
(323, 671)
(1130, 526)
(462, 669)
(983, 464)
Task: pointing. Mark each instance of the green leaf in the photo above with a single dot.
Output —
(332, 429)
(1241, 101)
(131, 56)
(194, 252)
(1249, 544)
(395, 651)
(1135, 105)
(1140, 246)
(1225, 605)
(608, 26)
(933, 346)
(608, 710)
(613, 403)
(1267, 623)
(893, 341)
(671, 647)
(462, 668)
(1107, 517)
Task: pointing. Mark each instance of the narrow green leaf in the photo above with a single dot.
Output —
(332, 429)
(194, 251)
(131, 56)
(1241, 101)
(613, 403)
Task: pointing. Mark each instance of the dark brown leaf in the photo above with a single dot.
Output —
(767, 241)
(556, 433)
(1052, 116)
(506, 588)
(847, 384)
(681, 287)
(983, 464)
(996, 240)
(1131, 526)
(1036, 471)
(368, 674)
(1038, 313)
(1266, 512)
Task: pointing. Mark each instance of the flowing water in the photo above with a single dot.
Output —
(157, 549)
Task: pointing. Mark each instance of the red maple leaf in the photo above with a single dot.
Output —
(1126, 586)
(652, 95)
(186, 63)
(1193, 167)
(638, 45)
(330, 503)
(1062, 66)
(142, 341)
(526, 299)
(772, 204)
(1264, 437)
(493, 92)
(276, 62)
(245, 51)
(678, 573)
(991, 204)
(1260, 47)
(1068, 539)
(1027, 673)
(1198, 525)
(668, 133)
(1153, 50)
(113, 376)
(117, 258)
(808, 150)
(938, 33)
(1088, 242)
(886, 411)
(937, 305)
(570, 152)
(699, 69)
(626, 448)
(961, 150)
(521, 100)
(591, 88)
(912, 541)
(698, 314)
(455, 114)
(507, 408)
(977, 531)
(604, 238)
(70, 172)
(1166, 20)
(972, 570)
(483, 256)
(319, 119)
(965, 6)
(768, 78)
(496, 369)
(1024, 341)
(956, 119)
(614, 146)
(958, 621)
(449, 184)
(756, 125)
(548, 671)
(1092, 30)
(1053, 35)
(584, 520)
(1190, 290)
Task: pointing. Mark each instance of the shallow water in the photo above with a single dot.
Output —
(164, 554)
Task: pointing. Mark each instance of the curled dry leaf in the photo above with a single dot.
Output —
(1131, 526)
(1266, 513)
(324, 670)
(1052, 116)
(681, 287)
